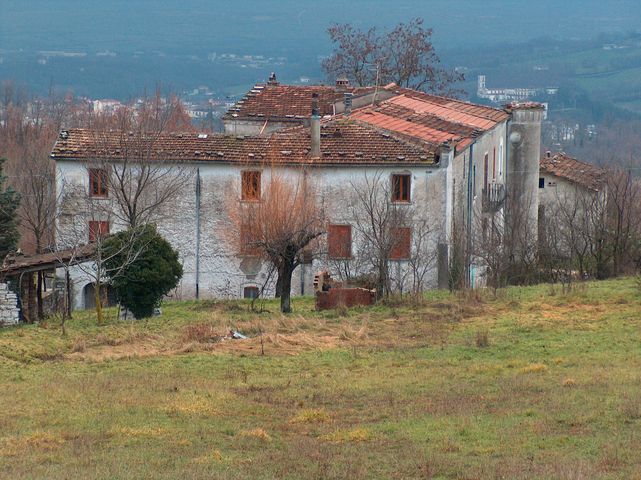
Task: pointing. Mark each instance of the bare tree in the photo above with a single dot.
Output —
(423, 250)
(356, 55)
(283, 221)
(140, 184)
(404, 55)
(28, 129)
(85, 220)
(520, 239)
(624, 195)
(388, 231)
(489, 247)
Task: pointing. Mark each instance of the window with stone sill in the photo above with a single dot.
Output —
(401, 188)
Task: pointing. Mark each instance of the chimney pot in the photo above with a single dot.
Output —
(342, 82)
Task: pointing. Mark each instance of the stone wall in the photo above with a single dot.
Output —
(9, 311)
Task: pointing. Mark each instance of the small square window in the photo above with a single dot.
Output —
(250, 186)
(98, 182)
(402, 246)
(339, 241)
(541, 182)
(401, 185)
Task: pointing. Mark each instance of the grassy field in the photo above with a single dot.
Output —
(532, 384)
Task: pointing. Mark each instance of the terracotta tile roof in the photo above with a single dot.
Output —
(431, 118)
(289, 102)
(468, 113)
(343, 142)
(408, 113)
(426, 127)
(347, 140)
(571, 169)
(80, 143)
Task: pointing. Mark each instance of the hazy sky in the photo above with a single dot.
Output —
(127, 46)
(130, 25)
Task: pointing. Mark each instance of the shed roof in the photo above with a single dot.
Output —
(17, 264)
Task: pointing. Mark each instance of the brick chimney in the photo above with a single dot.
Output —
(315, 127)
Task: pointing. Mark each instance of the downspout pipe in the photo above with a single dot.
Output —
(197, 233)
(470, 213)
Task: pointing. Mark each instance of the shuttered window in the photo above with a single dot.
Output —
(97, 230)
(339, 240)
(402, 246)
(250, 186)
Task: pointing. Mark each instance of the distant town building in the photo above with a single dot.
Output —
(503, 95)
(106, 105)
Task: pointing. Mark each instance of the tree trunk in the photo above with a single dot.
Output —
(97, 296)
(39, 297)
(68, 308)
(382, 282)
(279, 286)
(285, 278)
(31, 299)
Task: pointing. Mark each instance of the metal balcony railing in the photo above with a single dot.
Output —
(493, 197)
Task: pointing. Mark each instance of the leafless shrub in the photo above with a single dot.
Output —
(201, 332)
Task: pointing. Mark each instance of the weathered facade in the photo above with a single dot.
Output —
(571, 187)
(450, 155)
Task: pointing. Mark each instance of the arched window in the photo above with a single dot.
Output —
(251, 292)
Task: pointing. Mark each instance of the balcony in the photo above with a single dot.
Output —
(493, 197)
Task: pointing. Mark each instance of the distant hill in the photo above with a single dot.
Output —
(118, 47)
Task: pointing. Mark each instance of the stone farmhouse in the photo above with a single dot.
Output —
(562, 178)
(444, 159)
(570, 191)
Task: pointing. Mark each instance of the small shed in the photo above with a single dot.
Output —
(24, 270)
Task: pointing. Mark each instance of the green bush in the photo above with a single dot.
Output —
(147, 268)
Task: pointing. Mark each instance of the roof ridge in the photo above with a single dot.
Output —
(450, 99)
